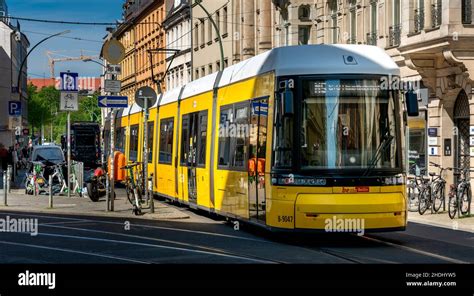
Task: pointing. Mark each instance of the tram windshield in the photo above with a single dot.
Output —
(342, 124)
(348, 124)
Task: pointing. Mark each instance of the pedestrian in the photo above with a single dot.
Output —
(3, 157)
(15, 160)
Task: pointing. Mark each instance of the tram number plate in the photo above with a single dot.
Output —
(285, 219)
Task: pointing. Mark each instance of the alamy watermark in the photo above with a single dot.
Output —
(345, 225)
(397, 83)
(15, 225)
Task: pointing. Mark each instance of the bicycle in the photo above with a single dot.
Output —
(133, 189)
(61, 186)
(35, 181)
(438, 188)
(460, 196)
(415, 187)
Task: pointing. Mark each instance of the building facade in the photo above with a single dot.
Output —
(431, 41)
(140, 32)
(13, 49)
(177, 26)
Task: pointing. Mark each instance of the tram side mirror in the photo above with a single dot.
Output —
(288, 103)
(411, 100)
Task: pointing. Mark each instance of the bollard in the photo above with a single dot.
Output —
(35, 186)
(107, 192)
(152, 202)
(50, 191)
(5, 188)
(9, 178)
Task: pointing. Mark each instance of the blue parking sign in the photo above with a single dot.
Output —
(14, 108)
(69, 81)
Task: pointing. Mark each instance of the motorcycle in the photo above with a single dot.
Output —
(96, 184)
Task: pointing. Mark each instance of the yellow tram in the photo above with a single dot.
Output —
(288, 140)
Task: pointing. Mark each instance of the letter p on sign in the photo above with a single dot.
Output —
(14, 108)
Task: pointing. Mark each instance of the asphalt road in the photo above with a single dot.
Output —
(203, 239)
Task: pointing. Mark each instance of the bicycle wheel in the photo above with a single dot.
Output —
(438, 197)
(130, 194)
(452, 206)
(465, 201)
(424, 200)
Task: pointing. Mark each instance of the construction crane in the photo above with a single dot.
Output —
(53, 60)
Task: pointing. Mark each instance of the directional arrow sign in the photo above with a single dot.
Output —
(113, 102)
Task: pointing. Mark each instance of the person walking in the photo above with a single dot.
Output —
(3, 157)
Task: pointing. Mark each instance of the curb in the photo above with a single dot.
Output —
(441, 225)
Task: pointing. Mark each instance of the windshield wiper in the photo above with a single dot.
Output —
(387, 140)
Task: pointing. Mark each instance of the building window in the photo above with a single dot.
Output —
(133, 156)
(203, 33)
(196, 35)
(436, 14)
(226, 63)
(417, 144)
(218, 20)
(466, 7)
(304, 12)
(395, 29)
(353, 24)
(419, 17)
(218, 66)
(224, 21)
(209, 28)
(303, 34)
(196, 74)
(166, 141)
(203, 71)
(210, 69)
(373, 16)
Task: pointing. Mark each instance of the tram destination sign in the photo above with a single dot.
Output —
(343, 88)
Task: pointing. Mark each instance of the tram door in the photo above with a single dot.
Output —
(256, 162)
(190, 142)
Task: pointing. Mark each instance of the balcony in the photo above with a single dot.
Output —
(466, 12)
(436, 10)
(351, 40)
(394, 35)
(419, 20)
(372, 38)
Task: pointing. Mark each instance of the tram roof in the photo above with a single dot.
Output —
(296, 60)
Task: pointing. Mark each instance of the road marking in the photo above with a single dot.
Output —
(147, 226)
(64, 222)
(74, 251)
(449, 259)
(154, 246)
(156, 239)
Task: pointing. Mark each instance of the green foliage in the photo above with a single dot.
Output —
(43, 110)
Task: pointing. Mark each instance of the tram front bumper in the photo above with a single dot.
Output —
(350, 212)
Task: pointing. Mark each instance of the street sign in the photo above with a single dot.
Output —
(259, 108)
(69, 101)
(14, 122)
(14, 108)
(113, 102)
(114, 69)
(114, 52)
(143, 93)
(69, 81)
(113, 86)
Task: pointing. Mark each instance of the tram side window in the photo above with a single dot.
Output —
(133, 143)
(166, 140)
(283, 137)
(202, 138)
(184, 140)
(151, 134)
(120, 140)
(239, 136)
(226, 120)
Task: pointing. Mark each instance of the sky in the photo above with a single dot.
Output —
(65, 10)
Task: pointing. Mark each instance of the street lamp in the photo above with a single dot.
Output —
(34, 47)
(94, 61)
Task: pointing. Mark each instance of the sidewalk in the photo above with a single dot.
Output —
(19, 202)
(442, 219)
